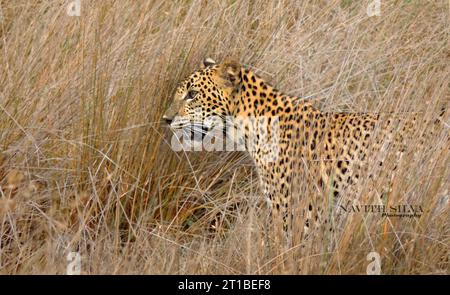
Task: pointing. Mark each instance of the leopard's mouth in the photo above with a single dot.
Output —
(189, 129)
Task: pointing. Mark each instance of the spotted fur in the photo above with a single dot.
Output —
(329, 149)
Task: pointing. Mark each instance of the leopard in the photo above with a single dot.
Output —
(328, 149)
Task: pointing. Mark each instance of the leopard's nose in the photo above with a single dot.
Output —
(167, 119)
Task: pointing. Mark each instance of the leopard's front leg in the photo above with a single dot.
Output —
(277, 192)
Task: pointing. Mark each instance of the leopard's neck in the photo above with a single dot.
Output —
(264, 116)
(256, 98)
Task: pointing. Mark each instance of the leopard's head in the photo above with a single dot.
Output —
(206, 93)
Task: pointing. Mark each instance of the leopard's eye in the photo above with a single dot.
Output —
(191, 94)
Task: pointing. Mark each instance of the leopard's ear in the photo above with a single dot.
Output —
(207, 62)
(231, 71)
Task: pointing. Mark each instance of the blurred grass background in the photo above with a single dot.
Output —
(85, 163)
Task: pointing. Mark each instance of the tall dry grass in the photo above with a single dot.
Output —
(85, 163)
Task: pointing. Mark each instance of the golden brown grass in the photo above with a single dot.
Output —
(85, 164)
